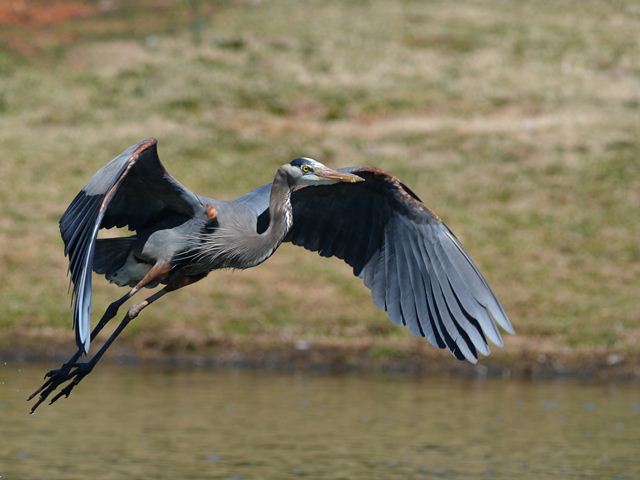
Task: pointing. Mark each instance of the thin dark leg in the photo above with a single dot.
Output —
(110, 312)
(77, 371)
(154, 273)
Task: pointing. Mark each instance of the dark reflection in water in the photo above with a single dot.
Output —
(144, 423)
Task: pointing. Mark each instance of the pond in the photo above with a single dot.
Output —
(156, 423)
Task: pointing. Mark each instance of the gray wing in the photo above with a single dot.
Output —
(415, 267)
(131, 190)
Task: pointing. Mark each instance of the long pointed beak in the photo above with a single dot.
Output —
(331, 174)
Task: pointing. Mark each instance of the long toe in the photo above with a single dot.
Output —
(75, 372)
(80, 371)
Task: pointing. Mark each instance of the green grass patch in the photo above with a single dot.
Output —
(516, 122)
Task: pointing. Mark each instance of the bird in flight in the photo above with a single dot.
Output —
(414, 266)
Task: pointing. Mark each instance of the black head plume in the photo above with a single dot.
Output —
(298, 162)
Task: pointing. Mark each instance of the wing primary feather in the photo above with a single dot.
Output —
(465, 338)
(467, 300)
(407, 284)
(444, 279)
(463, 341)
(83, 320)
(460, 264)
(488, 299)
(473, 321)
(77, 206)
(368, 272)
(392, 297)
(76, 226)
(445, 327)
(77, 258)
(439, 274)
(464, 326)
(450, 325)
(467, 331)
(469, 303)
(74, 203)
(80, 222)
(427, 279)
(379, 282)
(420, 296)
(77, 253)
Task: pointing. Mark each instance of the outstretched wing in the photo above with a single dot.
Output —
(131, 190)
(415, 267)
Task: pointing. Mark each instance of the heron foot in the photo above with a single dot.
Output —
(55, 378)
(59, 371)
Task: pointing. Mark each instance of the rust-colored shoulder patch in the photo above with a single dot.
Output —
(404, 193)
(149, 142)
(211, 212)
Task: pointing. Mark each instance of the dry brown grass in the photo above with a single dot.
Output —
(519, 123)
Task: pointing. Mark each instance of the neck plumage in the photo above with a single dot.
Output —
(280, 212)
(235, 243)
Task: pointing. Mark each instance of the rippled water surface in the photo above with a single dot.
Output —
(145, 423)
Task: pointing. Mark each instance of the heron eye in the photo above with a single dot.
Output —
(306, 169)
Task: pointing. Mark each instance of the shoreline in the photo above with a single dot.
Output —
(331, 357)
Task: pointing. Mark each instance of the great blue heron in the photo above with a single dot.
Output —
(415, 267)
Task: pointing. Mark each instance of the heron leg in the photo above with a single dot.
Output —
(110, 312)
(59, 375)
(157, 271)
(75, 371)
(72, 370)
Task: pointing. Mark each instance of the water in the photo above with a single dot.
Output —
(152, 423)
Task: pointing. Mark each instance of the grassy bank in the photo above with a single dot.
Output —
(519, 123)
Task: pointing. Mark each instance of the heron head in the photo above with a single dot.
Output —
(308, 171)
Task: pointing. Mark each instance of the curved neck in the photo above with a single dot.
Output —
(280, 212)
(236, 242)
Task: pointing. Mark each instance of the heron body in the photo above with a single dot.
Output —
(416, 269)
